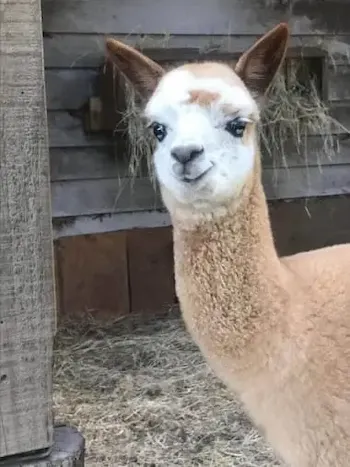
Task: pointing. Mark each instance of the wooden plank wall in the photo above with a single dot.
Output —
(113, 274)
(90, 191)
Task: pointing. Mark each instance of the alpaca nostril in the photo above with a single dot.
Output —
(184, 154)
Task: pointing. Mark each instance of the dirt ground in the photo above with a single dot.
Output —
(142, 395)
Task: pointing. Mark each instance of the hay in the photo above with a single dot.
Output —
(141, 142)
(143, 396)
(293, 111)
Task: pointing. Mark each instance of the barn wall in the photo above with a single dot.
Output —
(90, 189)
(108, 275)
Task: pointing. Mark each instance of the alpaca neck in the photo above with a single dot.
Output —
(229, 278)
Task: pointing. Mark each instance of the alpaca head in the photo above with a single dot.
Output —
(204, 118)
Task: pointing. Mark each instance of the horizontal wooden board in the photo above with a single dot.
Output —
(327, 15)
(69, 88)
(338, 49)
(82, 225)
(66, 129)
(297, 224)
(102, 196)
(306, 224)
(87, 50)
(316, 154)
(83, 163)
(302, 182)
(101, 162)
(193, 17)
(162, 16)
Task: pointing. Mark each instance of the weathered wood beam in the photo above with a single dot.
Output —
(27, 299)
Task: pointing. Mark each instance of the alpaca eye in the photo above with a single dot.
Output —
(236, 127)
(159, 131)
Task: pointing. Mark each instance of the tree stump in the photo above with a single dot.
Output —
(68, 451)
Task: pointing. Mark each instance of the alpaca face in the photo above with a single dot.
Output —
(203, 118)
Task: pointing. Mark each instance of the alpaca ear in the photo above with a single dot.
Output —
(140, 70)
(258, 66)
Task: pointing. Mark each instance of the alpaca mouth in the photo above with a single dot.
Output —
(193, 180)
(194, 176)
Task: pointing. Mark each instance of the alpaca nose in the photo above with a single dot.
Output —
(186, 153)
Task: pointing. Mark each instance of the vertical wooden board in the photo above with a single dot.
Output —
(93, 275)
(151, 266)
(27, 302)
(57, 267)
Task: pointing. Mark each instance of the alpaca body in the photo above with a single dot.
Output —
(275, 330)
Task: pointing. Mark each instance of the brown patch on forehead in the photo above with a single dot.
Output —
(202, 97)
(214, 70)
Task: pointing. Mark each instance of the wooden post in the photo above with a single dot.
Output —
(27, 301)
(67, 451)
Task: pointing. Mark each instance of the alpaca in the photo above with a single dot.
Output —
(275, 330)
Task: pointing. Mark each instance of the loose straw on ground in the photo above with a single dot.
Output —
(143, 396)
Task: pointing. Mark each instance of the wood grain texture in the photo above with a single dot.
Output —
(159, 16)
(66, 130)
(70, 89)
(94, 275)
(194, 17)
(297, 225)
(303, 182)
(27, 302)
(82, 225)
(74, 49)
(81, 51)
(339, 83)
(150, 260)
(307, 224)
(101, 196)
(83, 163)
(105, 196)
(102, 162)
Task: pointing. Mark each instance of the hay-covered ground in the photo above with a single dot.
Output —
(142, 395)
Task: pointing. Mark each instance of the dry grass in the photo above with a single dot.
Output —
(142, 396)
(293, 111)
